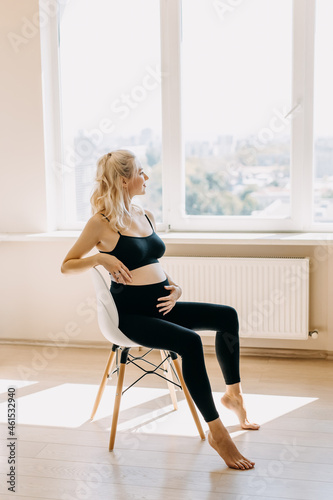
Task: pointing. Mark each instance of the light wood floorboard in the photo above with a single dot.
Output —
(61, 455)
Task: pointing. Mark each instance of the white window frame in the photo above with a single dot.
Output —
(53, 144)
(173, 177)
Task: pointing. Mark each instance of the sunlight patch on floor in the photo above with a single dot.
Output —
(5, 384)
(143, 409)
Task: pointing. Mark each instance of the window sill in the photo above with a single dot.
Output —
(199, 238)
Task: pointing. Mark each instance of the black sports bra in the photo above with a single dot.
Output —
(138, 251)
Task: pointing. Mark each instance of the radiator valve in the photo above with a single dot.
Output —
(313, 334)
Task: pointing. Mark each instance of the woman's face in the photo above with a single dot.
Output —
(137, 184)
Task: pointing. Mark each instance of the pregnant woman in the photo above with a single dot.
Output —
(146, 297)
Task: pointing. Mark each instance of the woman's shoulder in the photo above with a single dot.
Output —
(98, 217)
(150, 215)
(107, 237)
(98, 221)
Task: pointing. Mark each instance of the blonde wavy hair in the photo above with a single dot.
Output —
(109, 195)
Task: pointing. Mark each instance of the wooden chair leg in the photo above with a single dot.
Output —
(117, 405)
(171, 386)
(188, 398)
(107, 371)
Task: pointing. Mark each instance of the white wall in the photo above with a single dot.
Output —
(37, 302)
(22, 187)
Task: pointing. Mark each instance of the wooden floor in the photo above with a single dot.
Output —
(158, 455)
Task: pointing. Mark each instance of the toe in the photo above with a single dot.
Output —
(251, 464)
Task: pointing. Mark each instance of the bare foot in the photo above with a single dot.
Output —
(226, 448)
(236, 404)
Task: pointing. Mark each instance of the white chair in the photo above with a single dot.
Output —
(108, 321)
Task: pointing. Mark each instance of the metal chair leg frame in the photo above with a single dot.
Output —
(132, 359)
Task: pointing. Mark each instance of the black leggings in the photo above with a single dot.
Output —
(141, 321)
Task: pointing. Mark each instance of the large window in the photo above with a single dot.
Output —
(227, 104)
(236, 85)
(110, 94)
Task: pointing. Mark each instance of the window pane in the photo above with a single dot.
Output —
(110, 83)
(323, 111)
(237, 85)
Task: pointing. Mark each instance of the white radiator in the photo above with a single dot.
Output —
(270, 295)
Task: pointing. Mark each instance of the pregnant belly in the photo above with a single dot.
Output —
(148, 275)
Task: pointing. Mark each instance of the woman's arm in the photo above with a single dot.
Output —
(89, 238)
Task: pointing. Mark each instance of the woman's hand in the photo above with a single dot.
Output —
(116, 268)
(169, 301)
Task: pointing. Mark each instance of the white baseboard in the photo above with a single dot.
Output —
(208, 349)
(279, 353)
(47, 343)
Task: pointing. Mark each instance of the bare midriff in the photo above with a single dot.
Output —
(147, 275)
